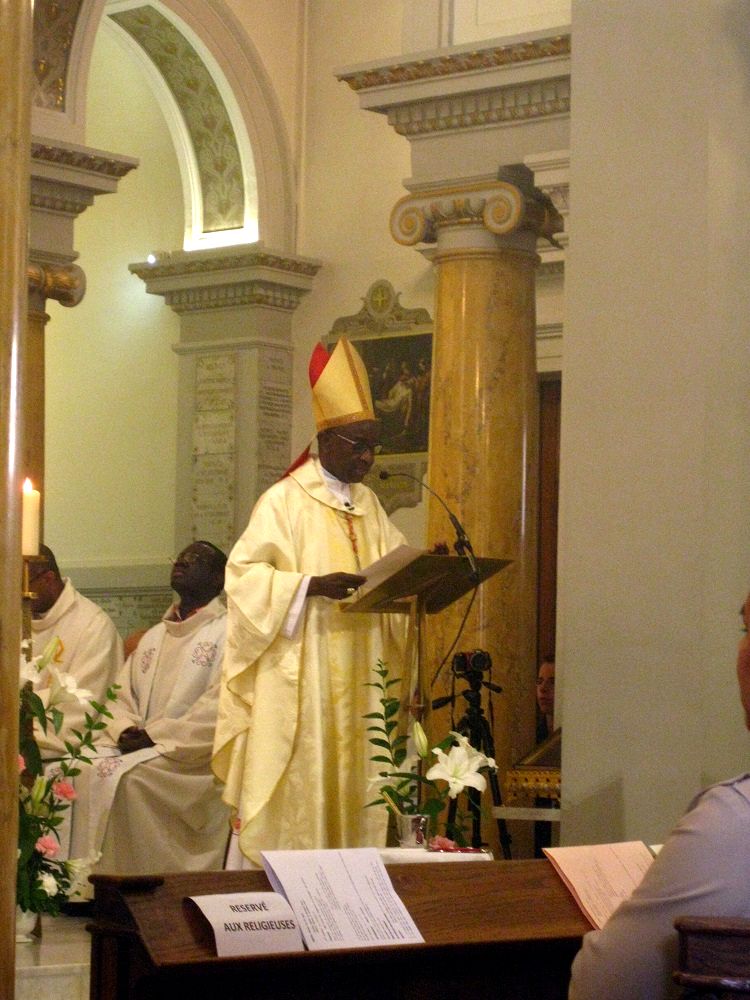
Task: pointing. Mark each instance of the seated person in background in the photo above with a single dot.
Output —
(545, 715)
(153, 805)
(545, 698)
(90, 650)
(702, 870)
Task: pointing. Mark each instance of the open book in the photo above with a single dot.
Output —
(406, 571)
(601, 876)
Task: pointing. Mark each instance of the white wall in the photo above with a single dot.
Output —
(111, 373)
(654, 527)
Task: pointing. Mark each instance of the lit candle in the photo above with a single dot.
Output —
(30, 520)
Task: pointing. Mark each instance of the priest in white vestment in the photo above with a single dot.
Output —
(150, 803)
(90, 647)
(291, 741)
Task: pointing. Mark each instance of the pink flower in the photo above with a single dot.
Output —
(21, 764)
(64, 790)
(443, 844)
(47, 846)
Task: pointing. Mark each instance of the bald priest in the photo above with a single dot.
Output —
(291, 742)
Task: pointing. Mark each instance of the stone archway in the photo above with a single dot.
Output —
(218, 64)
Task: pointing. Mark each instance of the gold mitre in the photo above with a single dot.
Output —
(341, 391)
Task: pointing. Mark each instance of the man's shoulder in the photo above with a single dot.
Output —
(150, 638)
(278, 492)
(734, 793)
(90, 611)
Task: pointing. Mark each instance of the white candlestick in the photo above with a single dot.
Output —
(30, 520)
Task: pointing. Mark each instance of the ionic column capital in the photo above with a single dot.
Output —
(65, 283)
(481, 215)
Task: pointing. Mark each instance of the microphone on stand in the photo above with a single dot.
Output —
(462, 544)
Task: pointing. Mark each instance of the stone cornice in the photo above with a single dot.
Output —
(173, 263)
(504, 106)
(228, 278)
(247, 293)
(65, 199)
(456, 63)
(80, 158)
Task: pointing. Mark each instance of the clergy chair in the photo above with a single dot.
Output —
(714, 958)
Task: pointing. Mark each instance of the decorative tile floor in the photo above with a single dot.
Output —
(57, 967)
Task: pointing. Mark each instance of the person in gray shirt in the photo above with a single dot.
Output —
(703, 869)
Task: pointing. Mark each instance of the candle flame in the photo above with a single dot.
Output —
(27, 485)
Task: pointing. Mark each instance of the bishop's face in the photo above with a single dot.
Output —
(348, 452)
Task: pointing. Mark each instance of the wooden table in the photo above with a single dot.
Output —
(499, 929)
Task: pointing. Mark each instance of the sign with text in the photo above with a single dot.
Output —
(251, 923)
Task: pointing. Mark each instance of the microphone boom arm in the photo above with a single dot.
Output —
(462, 545)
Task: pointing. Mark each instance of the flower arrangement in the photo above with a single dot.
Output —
(401, 786)
(43, 882)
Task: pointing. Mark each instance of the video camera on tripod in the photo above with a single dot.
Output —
(470, 667)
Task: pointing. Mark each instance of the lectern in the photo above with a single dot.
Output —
(432, 583)
(494, 930)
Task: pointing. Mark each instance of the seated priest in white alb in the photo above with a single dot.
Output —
(90, 648)
(149, 802)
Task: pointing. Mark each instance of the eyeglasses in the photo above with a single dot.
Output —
(359, 447)
(186, 559)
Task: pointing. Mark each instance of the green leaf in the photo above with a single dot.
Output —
(380, 743)
(57, 719)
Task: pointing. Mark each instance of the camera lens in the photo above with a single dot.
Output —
(479, 660)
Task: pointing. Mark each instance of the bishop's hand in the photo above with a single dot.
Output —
(337, 586)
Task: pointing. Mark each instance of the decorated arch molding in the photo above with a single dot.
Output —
(229, 136)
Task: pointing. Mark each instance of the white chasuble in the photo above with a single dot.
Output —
(160, 809)
(291, 741)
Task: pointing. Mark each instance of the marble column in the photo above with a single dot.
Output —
(15, 130)
(235, 380)
(484, 411)
(67, 285)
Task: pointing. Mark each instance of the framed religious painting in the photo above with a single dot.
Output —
(395, 343)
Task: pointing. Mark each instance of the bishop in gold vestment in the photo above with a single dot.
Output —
(291, 741)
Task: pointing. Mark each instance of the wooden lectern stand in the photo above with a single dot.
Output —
(500, 930)
(431, 581)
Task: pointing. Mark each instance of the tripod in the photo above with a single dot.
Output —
(474, 726)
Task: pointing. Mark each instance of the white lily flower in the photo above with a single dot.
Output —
(460, 768)
(472, 750)
(48, 653)
(79, 870)
(64, 689)
(49, 883)
(30, 670)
